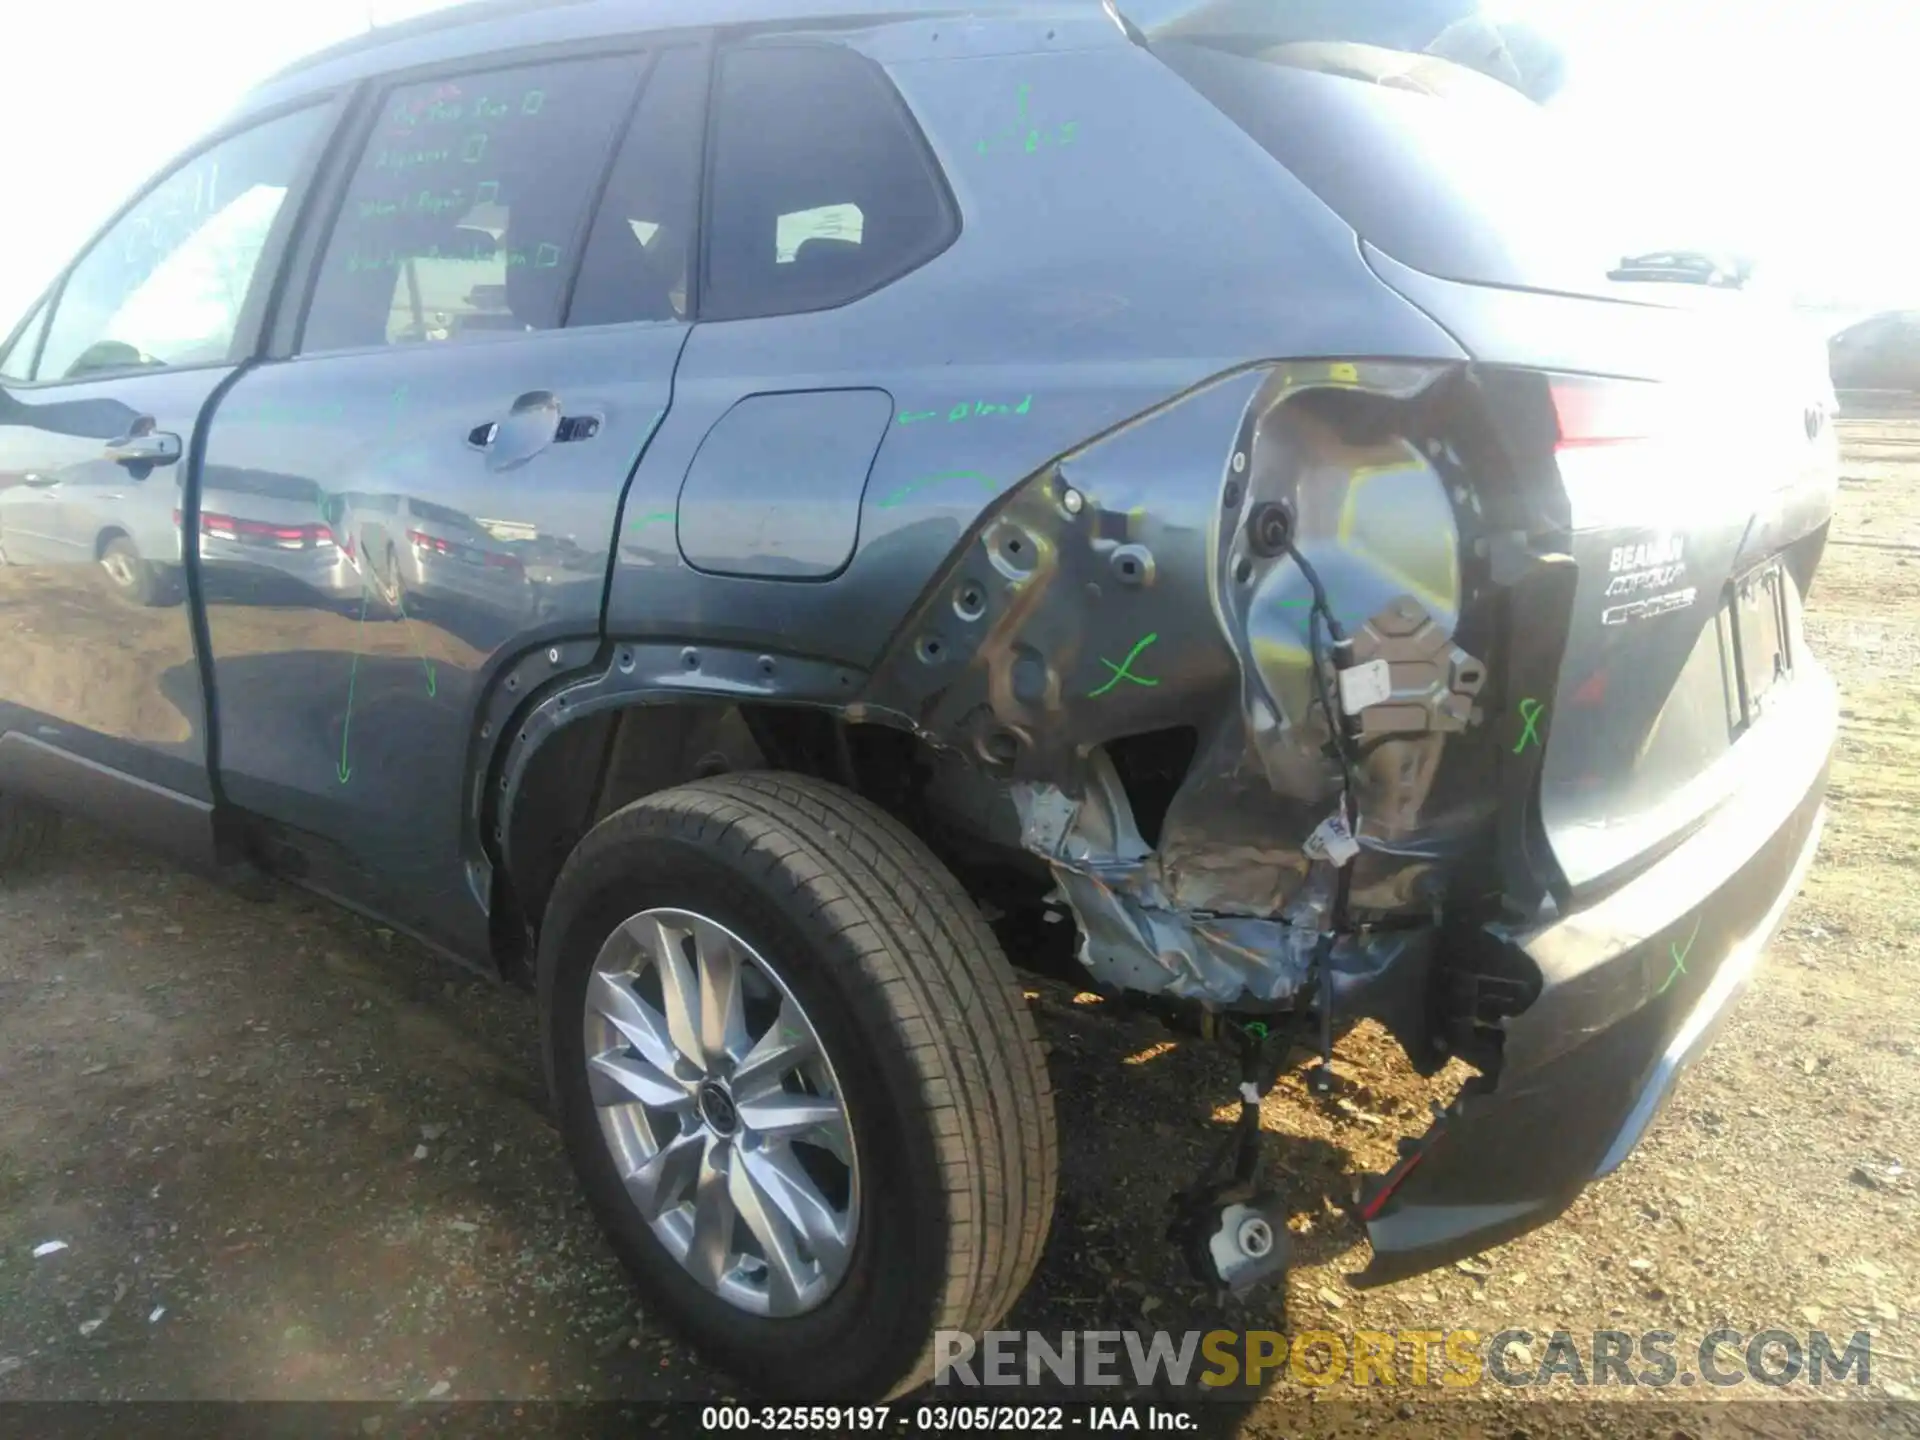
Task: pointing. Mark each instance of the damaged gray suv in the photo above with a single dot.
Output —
(744, 517)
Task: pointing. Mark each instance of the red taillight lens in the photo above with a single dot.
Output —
(420, 540)
(297, 537)
(1606, 412)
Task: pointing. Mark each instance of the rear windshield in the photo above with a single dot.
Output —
(1423, 125)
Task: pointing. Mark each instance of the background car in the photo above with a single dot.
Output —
(1881, 352)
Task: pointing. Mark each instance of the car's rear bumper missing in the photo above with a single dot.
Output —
(1633, 988)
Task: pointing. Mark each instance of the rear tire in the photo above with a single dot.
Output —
(932, 1053)
(26, 830)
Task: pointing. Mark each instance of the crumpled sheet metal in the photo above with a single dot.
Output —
(1113, 595)
(1132, 937)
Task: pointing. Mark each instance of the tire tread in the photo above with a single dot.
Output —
(929, 958)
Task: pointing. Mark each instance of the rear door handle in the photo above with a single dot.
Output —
(533, 423)
(148, 447)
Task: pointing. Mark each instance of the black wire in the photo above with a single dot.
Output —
(1322, 613)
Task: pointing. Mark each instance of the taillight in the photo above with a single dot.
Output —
(502, 562)
(289, 537)
(1607, 412)
(420, 540)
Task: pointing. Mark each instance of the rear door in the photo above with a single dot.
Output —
(462, 396)
(96, 429)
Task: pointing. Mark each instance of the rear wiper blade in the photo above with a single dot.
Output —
(1687, 267)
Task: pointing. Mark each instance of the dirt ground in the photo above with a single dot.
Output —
(291, 1156)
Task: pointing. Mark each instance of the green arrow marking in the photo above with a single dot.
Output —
(353, 675)
(400, 602)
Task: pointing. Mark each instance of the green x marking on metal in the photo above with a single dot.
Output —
(1530, 711)
(1124, 670)
(1679, 958)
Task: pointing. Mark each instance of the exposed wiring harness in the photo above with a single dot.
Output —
(1320, 1079)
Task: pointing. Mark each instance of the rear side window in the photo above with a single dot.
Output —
(1448, 168)
(822, 187)
(467, 211)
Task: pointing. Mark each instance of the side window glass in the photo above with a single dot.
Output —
(19, 362)
(822, 188)
(466, 212)
(638, 258)
(165, 286)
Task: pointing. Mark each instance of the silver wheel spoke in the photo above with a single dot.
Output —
(622, 1079)
(704, 1118)
(786, 1272)
(723, 1025)
(779, 1176)
(787, 1044)
(662, 1181)
(678, 988)
(644, 1027)
(787, 1115)
(712, 1217)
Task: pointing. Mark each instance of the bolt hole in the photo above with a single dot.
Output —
(1231, 496)
(1014, 547)
(1130, 568)
(1270, 530)
(1469, 677)
(766, 665)
(1243, 572)
(513, 682)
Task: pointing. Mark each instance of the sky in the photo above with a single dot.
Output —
(1780, 128)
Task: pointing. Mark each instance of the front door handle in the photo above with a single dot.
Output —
(145, 446)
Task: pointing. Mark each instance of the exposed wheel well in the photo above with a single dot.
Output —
(107, 537)
(593, 767)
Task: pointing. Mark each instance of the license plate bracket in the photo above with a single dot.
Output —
(1762, 647)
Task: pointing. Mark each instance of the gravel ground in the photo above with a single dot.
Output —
(291, 1156)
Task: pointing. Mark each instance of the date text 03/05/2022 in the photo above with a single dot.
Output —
(924, 1419)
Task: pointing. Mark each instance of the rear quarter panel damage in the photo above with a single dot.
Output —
(1116, 594)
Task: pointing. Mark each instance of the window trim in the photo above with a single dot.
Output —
(704, 51)
(39, 312)
(269, 272)
(370, 96)
(929, 162)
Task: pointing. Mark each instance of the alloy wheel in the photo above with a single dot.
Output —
(725, 1120)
